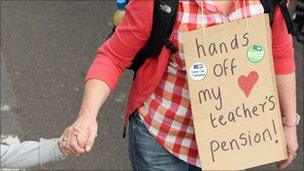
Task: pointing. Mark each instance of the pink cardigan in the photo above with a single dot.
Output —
(116, 54)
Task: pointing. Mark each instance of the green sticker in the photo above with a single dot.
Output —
(256, 53)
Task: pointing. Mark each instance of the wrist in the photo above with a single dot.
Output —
(89, 115)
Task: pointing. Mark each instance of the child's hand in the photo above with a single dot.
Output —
(63, 140)
(82, 136)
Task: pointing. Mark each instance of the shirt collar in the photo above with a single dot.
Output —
(211, 7)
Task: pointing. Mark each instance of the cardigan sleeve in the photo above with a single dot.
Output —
(282, 45)
(30, 153)
(117, 53)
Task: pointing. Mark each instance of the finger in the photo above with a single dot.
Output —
(69, 143)
(61, 148)
(81, 140)
(80, 132)
(283, 164)
(63, 143)
(90, 142)
(78, 129)
(280, 164)
(74, 145)
(82, 137)
(65, 148)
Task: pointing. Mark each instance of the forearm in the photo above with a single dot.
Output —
(95, 94)
(287, 94)
(22, 155)
(30, 153)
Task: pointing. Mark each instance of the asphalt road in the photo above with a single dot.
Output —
(46, 49)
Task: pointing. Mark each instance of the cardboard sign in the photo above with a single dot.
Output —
(233, 95)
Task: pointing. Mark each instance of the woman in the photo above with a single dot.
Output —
(160, 87)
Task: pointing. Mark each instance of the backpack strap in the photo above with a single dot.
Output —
(164, 15)
(269, 7)
(286, 15)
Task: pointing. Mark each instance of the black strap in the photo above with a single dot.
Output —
(139, 60)
(269, 7)
(164, 15)
(286, 15)
(112, 32)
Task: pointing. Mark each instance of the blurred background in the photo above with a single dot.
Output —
(46, 49)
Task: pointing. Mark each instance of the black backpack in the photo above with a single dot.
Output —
(164, 16)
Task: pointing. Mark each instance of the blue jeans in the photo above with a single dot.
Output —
(147, 154)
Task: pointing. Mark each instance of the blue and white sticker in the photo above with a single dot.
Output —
(198, 71)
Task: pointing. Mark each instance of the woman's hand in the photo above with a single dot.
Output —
(69, 143)
(292, 146)
(74, 142)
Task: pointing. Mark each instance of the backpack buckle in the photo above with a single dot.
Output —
(168, 43)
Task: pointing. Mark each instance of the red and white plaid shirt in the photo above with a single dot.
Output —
(167, 112)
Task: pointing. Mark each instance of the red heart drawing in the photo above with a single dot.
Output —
(247, 83)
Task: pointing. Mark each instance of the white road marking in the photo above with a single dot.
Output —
(10, 139)
(5, 108)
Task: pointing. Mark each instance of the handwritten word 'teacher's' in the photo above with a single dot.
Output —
(243, 111)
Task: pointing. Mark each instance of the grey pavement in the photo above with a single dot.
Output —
(46, 49)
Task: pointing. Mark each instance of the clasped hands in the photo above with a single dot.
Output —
(79, 137)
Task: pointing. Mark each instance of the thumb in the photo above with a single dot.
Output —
(92, 135)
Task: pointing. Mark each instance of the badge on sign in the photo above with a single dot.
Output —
(198, 71)
(255, 53)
